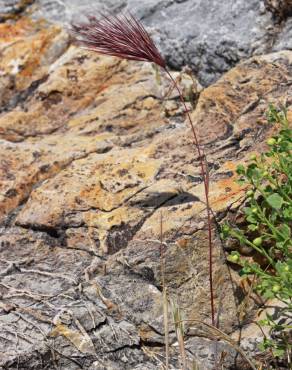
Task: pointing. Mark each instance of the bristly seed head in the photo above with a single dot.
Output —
(122, 36)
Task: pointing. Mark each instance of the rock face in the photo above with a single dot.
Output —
(281, 9)
(91, 169)
(211, 36)
(10, 9)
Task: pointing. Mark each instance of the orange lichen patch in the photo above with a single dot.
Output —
(24, 58)
(12, 31)
(183, 242)
(37, 48)
(227, 190)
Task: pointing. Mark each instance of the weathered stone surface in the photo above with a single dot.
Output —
(25, 67)
(10, 9)
(47, 111)
(209, 35)
(281, 9)
(90, 164)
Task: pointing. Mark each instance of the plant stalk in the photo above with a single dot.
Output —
(165, 298)
(206, 188)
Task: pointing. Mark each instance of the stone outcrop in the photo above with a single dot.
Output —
(92, 165)
(210, 36)
(281, 9)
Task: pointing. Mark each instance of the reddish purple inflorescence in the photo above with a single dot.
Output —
(122, 36)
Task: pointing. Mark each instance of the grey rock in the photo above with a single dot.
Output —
(211, 36)
(204, 353)
(8, 5)
(284, 39)
(63, 318)
(281, 9)
(10, 8)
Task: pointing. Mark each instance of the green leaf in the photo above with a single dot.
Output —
(287, 213)
(247, 210)
(280, 245)
(268, 294)
(253, 173)
(252, 227)
(241, 182)
(251, 219)
(264, 322)
(278, 352)
(240, 170)
(273, 217)
(261, 347)
(270, 317)
(234, 257)
(275, 201)
(285, 230)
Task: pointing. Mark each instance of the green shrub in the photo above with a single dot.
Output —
(267, 230)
